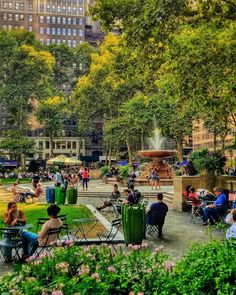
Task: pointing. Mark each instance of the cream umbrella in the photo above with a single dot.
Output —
(63, 160)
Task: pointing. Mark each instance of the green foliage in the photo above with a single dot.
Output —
(125, 170)
(208, 269)
(212, 162)
(104, 170)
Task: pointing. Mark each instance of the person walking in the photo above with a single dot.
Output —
(154, 179)
(85, 178)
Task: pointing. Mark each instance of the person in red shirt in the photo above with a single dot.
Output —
(85, 177)
(193, 197)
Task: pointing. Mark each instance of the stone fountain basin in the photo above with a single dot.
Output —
(157, 154)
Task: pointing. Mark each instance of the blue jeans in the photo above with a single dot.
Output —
(212, 213)
(85, 183)
(30, 243)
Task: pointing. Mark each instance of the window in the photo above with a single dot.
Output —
(48, 19)
(64, 41)
(59, 20)
(69, 32)
(80, 32)
(10, 6)
(64, 21)
(53, 40)
(74, 21)
(80, 21)
(69, 43)
(68, 145)
(69, 20)
(81, 11)
(30, 28)
(74, 10)
(17, 6)
(74, 145)
(74, 43)
(41, 40)
(5, 16)
(69, 10)
(54, 9)
(47, 145)
(41, 19)
(74, 32)
(63, 9)
(63, 32)
(22, 17)
(53, 20)
(48, 30)
(16, 17)
(9, 16)
(48, 8)
(81, 1)
(58, 31)
(58, 9)
(41, 30)
(30, 6)
(41, 145)
(53, 31)
(5, 5)
(30, 17)
(41, 8)
(22, 6)
(48, 42)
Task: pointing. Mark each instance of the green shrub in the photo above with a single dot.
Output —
(125, 170)
(104, 170)
(208, 269)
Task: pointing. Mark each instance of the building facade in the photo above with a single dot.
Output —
(53, 21)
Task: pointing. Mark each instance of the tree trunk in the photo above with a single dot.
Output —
(23, 162)
(51, 146)
(214, 142)
(129, 151)
(79, 148)
(179, 150)
(142, 139)
(109, 155)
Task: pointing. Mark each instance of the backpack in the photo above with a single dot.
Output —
(137, 196)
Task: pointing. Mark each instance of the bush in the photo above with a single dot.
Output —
(212, 162)
(104, 170)
(209, 269)
(125, 170)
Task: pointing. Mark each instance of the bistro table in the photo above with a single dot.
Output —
(80, 227)
(12, 238)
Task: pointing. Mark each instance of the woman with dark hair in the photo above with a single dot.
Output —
(31, 241)
(85, 177)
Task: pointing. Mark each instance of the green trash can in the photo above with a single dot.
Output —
(71, 195)
(133, 222)
(60, 196)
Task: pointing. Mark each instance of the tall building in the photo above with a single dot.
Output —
(203, 139)
(53, 21)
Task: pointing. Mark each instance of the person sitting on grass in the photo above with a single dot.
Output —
(31, 241)
(231, 232)
(115, 195)
(157, 213)
(19, 195)
(12, 217)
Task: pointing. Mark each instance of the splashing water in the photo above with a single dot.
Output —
(157, 141)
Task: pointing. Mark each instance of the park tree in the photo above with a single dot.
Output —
(51, 113)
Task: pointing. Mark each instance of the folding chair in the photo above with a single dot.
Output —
(46, 246)
(108, 238)
(42, 220)
(152, 230)
(11, 240)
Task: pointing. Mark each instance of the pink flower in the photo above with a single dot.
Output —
(96, 276)
(63, 266)
(131, 293)
(144, 245)
(68, 242)
(136, 247)
(130, 246)
(169, 265)
(111, 269)
(140, 293)
(84, 270)
(56, 293)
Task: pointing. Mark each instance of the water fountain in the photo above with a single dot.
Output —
(157, 153)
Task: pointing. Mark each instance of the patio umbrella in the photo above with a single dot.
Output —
(63, 160)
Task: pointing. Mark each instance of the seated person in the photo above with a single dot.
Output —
(157, 213)
(18, 194)
(186, 192)
(12, 217)
(37, 192)
(218, 207)
(130, 198)
(231, 232)
(115, 195)
(229, 217)
(31, 241)
(194, 199)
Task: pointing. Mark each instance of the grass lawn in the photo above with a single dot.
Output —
(12, 180)
(34, 211)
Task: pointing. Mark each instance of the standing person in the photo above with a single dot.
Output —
(115, 195)
(85, 178)
(35, 180)
(131, 180)
(58, 179)
(12, 217)
(154, 178)
(31, 241)
(157, 213)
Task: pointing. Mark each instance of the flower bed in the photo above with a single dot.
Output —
(209, 269)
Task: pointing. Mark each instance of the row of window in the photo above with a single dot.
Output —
(18, 5)
(70, 43)
(61, 9)
(61, 20)
(65, 1)
(60, 31)
(16, 17)
(60, 145)
(10, 27)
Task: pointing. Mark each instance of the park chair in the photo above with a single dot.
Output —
(109, 237)
(10, 239)
(42, 220)
(48, 247)
(151, 230)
